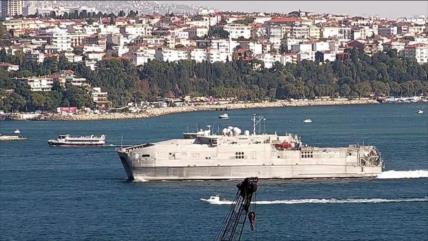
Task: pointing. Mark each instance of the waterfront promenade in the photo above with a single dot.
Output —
(153, 112)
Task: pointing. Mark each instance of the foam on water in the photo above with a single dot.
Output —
(403, 174)
(139, 179)
(324, 201)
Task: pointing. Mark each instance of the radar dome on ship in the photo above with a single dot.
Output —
(236, 131)
(226, 131)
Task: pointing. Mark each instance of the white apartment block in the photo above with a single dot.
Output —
(201, 32)
(269, 59)
(238, 30)
(321, 46)
(418, 52)
(10, 8)
(75, 58)
(99, 97)
(215, 55)
(61, 40)
(139, 30)
(256, 48)
(288, 58)
(97, 56)
(275, 42)
(154, 41)
(262, 19)
(75, 81)
(277, 31)
(224, 45)
(36, 56)
(171, 55)
(330, 32)
(387, 31)
(109, 29)
(300, 32)
(91, 63)
(306, 56)
(199, 55)
(39, 84)
(290, 42)
(143, 56)
(302, 47)
(93, 48)
(416, 29)
(314, 32)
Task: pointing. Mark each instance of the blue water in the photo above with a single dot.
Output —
(82, 194)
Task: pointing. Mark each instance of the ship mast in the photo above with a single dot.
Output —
(256, 121)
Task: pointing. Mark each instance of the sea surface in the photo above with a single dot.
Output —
(49, 193)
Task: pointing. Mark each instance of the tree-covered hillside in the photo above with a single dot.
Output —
(358, 76)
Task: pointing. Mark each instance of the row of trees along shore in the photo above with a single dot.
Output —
(358, 76)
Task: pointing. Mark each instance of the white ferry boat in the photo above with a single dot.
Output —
(68, 140)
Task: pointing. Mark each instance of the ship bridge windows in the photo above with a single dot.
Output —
(213, 142)
(307, 154)
(145, 155)
(239, 155)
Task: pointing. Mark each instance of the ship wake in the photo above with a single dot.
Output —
(403, 174)
(324, 201)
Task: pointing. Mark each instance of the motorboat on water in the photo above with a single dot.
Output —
(68, 140)
(420, 112)
(16, 136)
(224, 116)
(216, 200)
(307, 121)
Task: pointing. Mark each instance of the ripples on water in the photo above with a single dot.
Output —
(81, 194)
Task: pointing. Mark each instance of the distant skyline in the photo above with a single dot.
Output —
(389, 9)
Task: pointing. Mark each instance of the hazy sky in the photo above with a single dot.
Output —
(391, 9)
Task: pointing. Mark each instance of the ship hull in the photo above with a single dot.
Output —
(75, 145)
(239, 172)
(237, 157)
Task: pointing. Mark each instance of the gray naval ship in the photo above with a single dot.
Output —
(236, 155)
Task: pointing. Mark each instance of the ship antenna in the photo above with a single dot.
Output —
(264, 125)
(254, 124)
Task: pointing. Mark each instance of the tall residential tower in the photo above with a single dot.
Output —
(11, 7)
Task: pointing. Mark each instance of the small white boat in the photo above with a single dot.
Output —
(216, 200)
(16, 136)
(307, 121)
(420, 112)
(223, 116)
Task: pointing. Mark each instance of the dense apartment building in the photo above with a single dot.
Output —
(265, 37)
(419, 52)
(10, 8)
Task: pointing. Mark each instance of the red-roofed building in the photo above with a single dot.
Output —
(285, 20)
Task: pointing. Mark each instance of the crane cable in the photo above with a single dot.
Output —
(255, 205)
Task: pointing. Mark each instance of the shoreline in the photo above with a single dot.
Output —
(155, 112)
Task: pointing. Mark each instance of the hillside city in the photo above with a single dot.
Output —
(86, 37)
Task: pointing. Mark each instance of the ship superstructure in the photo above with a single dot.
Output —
(233, 154)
